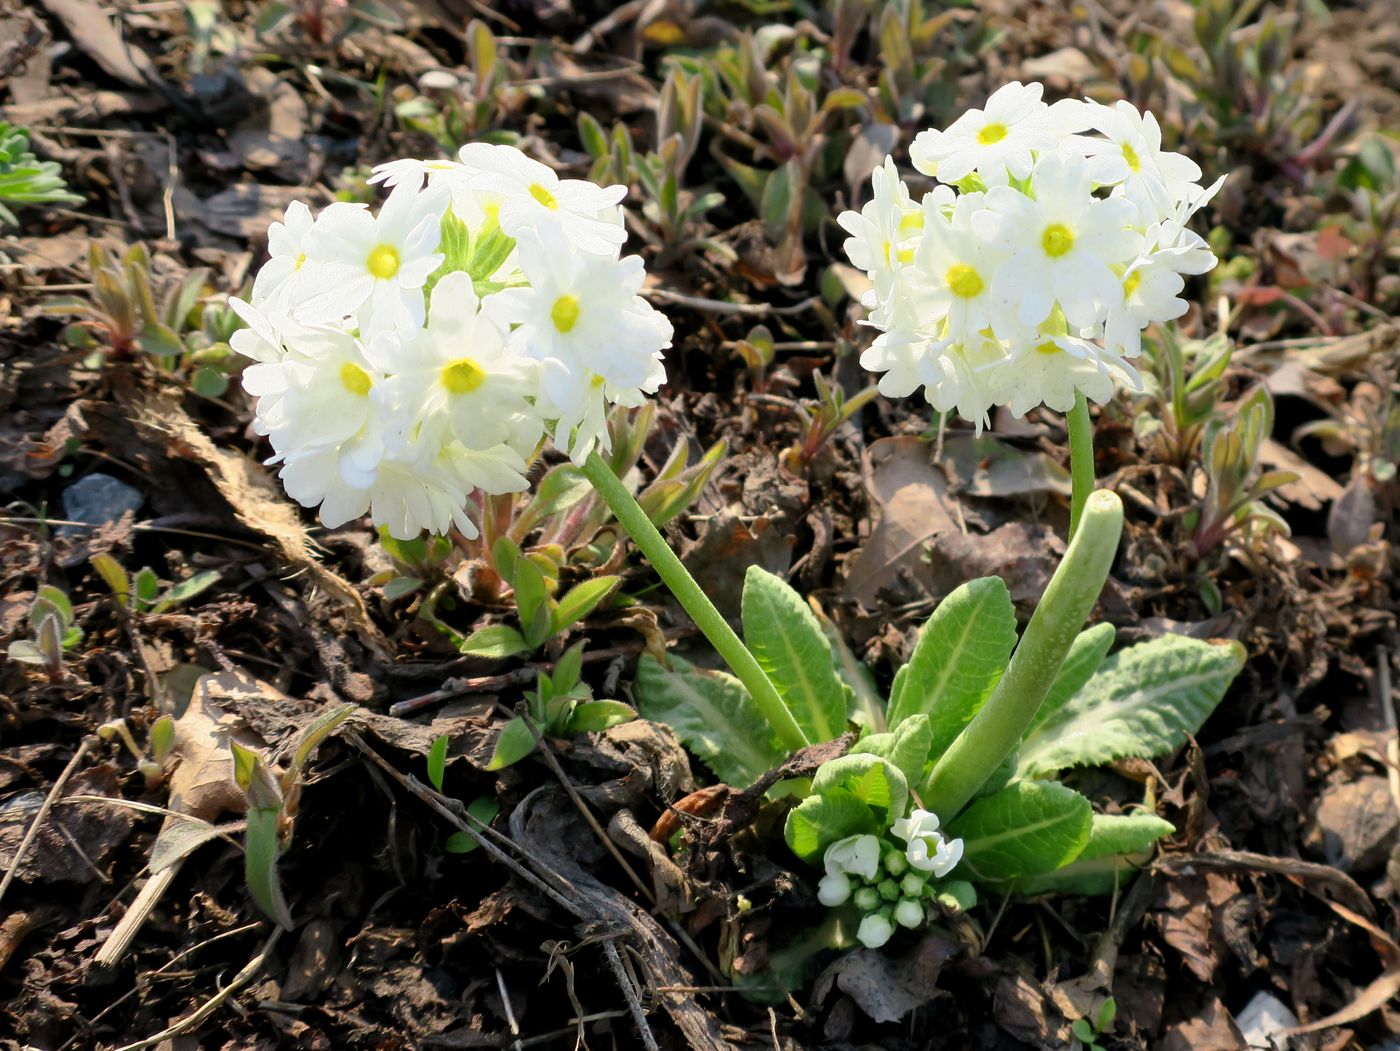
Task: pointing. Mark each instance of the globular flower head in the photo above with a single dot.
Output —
(1069, 232)
(875, 930)
(408, 361)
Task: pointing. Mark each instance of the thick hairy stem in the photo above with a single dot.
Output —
(695, 602)
(996, 730)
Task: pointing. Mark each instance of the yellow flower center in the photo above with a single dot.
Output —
(301, 261)
(1057, 240)
(905, 255)
(565, 313)
(992, 133)
(542, 195)
(491, 216)
(383, 262)
(1048, 347)
(911, 223)
(1131, 282)
(355, 379)
(964, 281)
(1130, 155)
(462, 376)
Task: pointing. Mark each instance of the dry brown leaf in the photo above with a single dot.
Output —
(259, 505)
(100, 40)
(1376, 995)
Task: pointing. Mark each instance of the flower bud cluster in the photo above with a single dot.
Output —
(1057, 235)
(407, 360)
(890, 883)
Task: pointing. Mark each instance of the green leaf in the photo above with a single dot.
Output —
(118, 580)
(51, 598)
(496, 642)
(1027, 828)
(1086, 655)
(260, 866)
(531, 601)
(581, 600)
(437, 761)
(599, 715)
(1117, 845)
(186, 590)
(147, 587)
(872, 779)
(788, 642)
(514, 744)
(1142, 703)
(906, 747)
(160, 340)
(713, 716)
(26, 652)
(820, 820)
(209, 382)
(484, 809)
(401, 586)
(162, 738)
(960, 656)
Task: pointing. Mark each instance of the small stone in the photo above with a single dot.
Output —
(1263, 1019)
(97, 499)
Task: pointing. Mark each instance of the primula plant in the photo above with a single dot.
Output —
(412, 364)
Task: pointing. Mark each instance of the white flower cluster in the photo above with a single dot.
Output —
(1058, 235)
(889, 885)
(407, 360)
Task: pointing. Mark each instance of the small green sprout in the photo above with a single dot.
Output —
(143, 592)
(54, 633)
(1087, 1032)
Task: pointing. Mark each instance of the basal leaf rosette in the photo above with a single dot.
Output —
(410, 361)
(1058, 233)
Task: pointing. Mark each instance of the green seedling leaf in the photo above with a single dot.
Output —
(959, 658)
(581, 600)
(532, 602)
(437, 761)
(567, 671)
(1117, 845)
(48, 599)
(209, 382)
(1142, 703)
(484, 809)
(147, 587)
(160, 340)
(117, 579)
(162, 739)
(599, 715)
(496, 642)
(1086, 655)
(1082, 1031)
(261, 848)
(186, 590)
(401, 586)
(820, 820)
(26, 652)
(1027, 828)
(906, 747)
(514, 744)
(788, 642)
(713, 716)
(311, 737)
(873, 780)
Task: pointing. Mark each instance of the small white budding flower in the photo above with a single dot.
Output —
(875, 930)
(834, 889)
(928, 851)
(856, 855)
(1033, 284)
(275, 288)
(910, 913)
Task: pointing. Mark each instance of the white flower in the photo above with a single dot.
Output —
(1150, 291)
(910, 913)
(952, 291)
(275, 286)
(1004, 137)
(598, 342)
(857, 855)
(874, 931)
(834, 889)
(1131, 153)
(928, 850)
(1062, 244)
(1052, 369)
(884, 232)
(372, 267)
(531, 192)
(458, 380)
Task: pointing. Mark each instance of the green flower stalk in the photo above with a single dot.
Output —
(694, 601)
(1081, 458)
(1069, 599)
